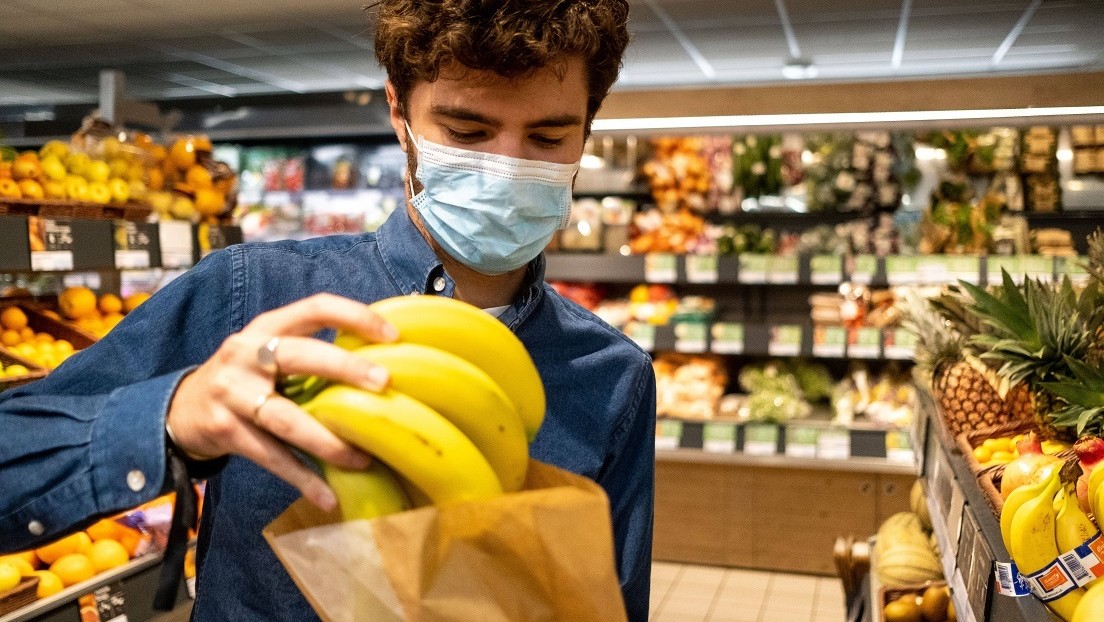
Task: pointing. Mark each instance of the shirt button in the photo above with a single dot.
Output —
(439, 284)
(36, 528)
(136, 480)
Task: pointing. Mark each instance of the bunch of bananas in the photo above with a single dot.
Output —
(455, 422)
(1043, 519)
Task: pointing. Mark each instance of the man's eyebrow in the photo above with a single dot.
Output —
(560, 120)
(463, 114)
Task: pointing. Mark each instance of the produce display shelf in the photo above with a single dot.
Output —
(855, 465)
(124, 591)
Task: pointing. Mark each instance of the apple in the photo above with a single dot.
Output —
(53, 168)
(76, 188)
(98, 170)
(9, 189)
(54, 189)
(98, 192)
(120, 190)
(54, 148)
(26, 167)
(31, 189)
(77, 163)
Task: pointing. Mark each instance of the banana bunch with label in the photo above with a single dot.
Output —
(455, 423)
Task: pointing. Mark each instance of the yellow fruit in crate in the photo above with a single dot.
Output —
(73, 568)
(98, 170)
(182, 208)
(63, 347)
(54, 149)
(54, 189)
(110, 147)
(99, 192)
(107, 554)
(209, 202)
(48, 583)
(27, 333)
(13, 318)
(16, 370)
(135, 172)
(110, 303)
(1002, 457)
(27, 556)
(155, 179)
(198, 177)
(44, 338)
(31, 189)
(111, 320)
(138, 189)
(9, 576)
(26, 350)
(77, 302)
(76, 188)
(183, 154)
(52, 168)
(982, 454)
(134, 300)
(78, 542)
(10, 338)
(120, 190)
(25, 569)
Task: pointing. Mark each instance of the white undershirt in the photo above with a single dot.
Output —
(497, 311)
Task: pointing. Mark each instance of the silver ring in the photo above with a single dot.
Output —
(266, 357)
(261, 401)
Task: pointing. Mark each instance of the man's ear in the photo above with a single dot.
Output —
(395, 114)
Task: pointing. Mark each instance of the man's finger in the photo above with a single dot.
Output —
(310, 315)
(311, 357)
(286, 421)
(260, 447)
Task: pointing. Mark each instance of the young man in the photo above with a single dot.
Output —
(492, 102)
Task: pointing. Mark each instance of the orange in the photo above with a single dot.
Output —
(111, 320)
(132, 301)
(183, 154)
(10, 338)
(9, 576)
(44, 338)
(13, 318)
(63, 347)
(27, 556)
(107, 554)
(77, 302)
(25, 569)
(110, 303)
(197, 177)
(48, 583)
(74, 543)
(73, 569)
(209, 202)
(27, 334)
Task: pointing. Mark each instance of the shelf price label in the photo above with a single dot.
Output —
(761, 439)
(834, 444)
(783, 269)
(210, 239)
(829, 341)
(176, 244)
(863, 268)
(660, 268)
(964, 268)
(754, 267)
(900, 344)
(866, 343)
(691, 337)
(643, 334)
(899, 446)
(825, 269)
(133, 242)
(728, 338)
(902, 270)
(668, 434)
(1012, 264)
(932, 269)
(719, 437)
(51, 243)
(801, 441)
(785, 340)
(701, 268)
(106, 604)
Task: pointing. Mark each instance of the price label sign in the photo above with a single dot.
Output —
(51, 243)
(825, 269)
(902, 270)
(801, 441)
(719, 438)
(932, 269)
(133, 242)
(176, 244)
(761, 439)
(783, 269)
(106, 604)
(1012, 264)
(210, 239)
(691, 337)
(863, 268)
(668, 434)
(900, 344)
(866, 343)
(899, 446)
(728, 338)
(754, 268)
(785, 340)
(701, 268)
(660, 268)
(834, 444)
(964, 268)
(643, 334)
(829, 341)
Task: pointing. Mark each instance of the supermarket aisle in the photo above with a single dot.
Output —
(687, 593)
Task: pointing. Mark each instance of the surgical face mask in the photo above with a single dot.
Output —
(491, 213)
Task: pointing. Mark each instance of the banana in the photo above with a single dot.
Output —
(1072, 527)
(1021, 495)
(473, 335)
(366, 494)
(466, 396)
(1034, 544)
(1091, 608)
(1096, 478)
(411, 438)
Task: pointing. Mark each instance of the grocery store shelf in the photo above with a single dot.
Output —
(856, 465)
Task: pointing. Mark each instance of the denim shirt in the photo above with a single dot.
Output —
(89, 440)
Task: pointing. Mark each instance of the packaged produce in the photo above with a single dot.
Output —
(689, 386)
(678, 174)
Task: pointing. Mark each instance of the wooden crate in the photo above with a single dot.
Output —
(10, 358)
(64, 208)
(19, 596)
(887, 595)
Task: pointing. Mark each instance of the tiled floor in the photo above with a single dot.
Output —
(685, 593)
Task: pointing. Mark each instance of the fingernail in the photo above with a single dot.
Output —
(360, 461)
(389, 333)
(377, 377)
(325, 499)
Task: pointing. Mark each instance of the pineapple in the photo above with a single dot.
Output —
(1095, 267)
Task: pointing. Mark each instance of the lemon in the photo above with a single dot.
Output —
(983, 454)
(9, 576)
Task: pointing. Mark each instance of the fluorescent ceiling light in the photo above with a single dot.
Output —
(591, 161)
(840, 118)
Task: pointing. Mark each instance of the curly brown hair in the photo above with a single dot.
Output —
(416, 38)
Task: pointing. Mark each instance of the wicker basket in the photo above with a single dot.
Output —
(887, 595)
(63, 208)
(10, 358)
(19, 596)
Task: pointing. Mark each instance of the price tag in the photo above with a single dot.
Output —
(1039, 267)
(863, 268)
(954, 521)
(690, 337)
(899, 446)
(660, 268)
(719, 438)
(834, 444)
(132, 245)
(866, 343)
(210, 239)
(51, 243)
(902, 269)
(668, 434)
(932, 269)
(761, 439)
(754, 267)
(782, 269)
(176, 244)
(701, 268)
(964, 268)
(801, 442)
(728, 338)
(829, 341)
(107, 604)
(643, 334)
(1012, 264)
(825, 269)
(1074, 268)
(785, 340)
(900, 344)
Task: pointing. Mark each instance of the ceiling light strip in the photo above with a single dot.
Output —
(902, 31)
(1014, 34)
(787, 29)
(692, 50)
(840, 118)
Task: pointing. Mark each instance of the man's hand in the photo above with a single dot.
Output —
(215, 410)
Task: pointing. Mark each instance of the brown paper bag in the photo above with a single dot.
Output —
(544, 553)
